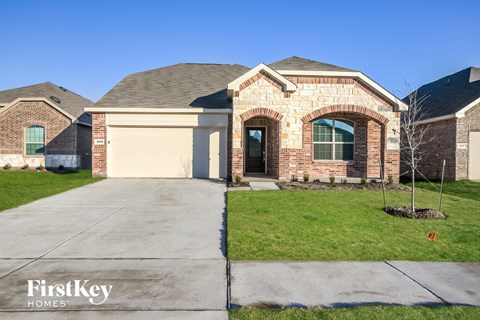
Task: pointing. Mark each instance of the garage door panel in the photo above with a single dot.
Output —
(150, 152)
(474, 155)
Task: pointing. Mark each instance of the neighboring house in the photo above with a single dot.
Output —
(218, 120)
(44, 124)
(452, 112)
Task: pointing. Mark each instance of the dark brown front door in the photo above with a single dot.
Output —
(255, 151)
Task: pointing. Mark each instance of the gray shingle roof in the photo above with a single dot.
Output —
(72, 103)
(179, 86)
(297, 63)
(450, 94)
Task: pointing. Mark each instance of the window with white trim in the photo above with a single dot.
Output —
(35, 141)
(333, 139)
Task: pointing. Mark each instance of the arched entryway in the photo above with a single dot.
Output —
(261, 129)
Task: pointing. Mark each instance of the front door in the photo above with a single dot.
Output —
(255, 151)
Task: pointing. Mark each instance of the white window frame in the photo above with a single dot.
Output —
(333, 142)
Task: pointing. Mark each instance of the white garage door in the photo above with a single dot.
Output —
(149, 152)
(474, 157)
(160, 152)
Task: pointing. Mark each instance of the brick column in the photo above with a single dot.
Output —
(99, 152)
(392, 164)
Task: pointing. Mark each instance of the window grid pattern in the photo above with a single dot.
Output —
(333, 139)
(35, 141)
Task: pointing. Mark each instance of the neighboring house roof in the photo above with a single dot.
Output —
(297, 63)
(182, 85)
(64, 99)
(450, 95)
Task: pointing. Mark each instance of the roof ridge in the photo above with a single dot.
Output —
(185, 64)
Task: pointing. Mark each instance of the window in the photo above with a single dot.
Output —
(333, 139)
(35, 141)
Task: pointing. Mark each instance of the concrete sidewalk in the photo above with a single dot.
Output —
(353, 283)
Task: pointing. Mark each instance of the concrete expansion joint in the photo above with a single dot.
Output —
(229, 287)
(418, 283)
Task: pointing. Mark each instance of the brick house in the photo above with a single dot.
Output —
(278, 120)
(452, 112)
(46, 125)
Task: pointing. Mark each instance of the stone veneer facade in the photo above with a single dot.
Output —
(447, 134)
(288, 117)
(61, 137)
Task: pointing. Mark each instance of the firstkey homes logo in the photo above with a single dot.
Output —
(43, 295)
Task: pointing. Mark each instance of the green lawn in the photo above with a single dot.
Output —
(463, 188)
(348, 225)
(366, 313)
(20, 187)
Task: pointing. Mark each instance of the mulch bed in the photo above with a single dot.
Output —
(233, 184)
(420, 213)
(297, 185)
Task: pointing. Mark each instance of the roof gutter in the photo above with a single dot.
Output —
(441, 118)
(159, 110)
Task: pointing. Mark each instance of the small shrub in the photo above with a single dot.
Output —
(8, 166)
(294, 178)
(344, 181)
(306, 177)
(238, 178)
(363, 180)
(61, 167)
(332, 181)
(390, 179)
(40, 168)
(25, 166)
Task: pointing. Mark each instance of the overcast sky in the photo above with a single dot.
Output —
(89, 46)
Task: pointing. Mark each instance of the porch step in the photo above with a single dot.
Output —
(256, 186)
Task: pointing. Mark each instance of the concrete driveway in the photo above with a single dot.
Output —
(158, 242)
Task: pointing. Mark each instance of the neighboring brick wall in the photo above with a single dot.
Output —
(84, 145)
(470, 122)
(441, 147)
(377, 124)
(60, 134)
(99, 152)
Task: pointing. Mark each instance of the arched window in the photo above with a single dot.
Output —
(333, 139)
(35, 141)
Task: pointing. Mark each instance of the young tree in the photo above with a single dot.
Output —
(414, 135)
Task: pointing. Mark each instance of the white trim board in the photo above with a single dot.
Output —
(461, 113)
(235, 84)
(158, 110)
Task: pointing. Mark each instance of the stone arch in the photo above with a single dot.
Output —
(345, 108)
(261, 112)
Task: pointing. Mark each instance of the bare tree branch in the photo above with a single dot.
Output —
(414, 134)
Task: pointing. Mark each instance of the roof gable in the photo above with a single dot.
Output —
(68, 101)
(235, 84)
